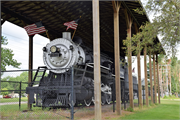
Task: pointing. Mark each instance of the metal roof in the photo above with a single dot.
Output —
(54, 13)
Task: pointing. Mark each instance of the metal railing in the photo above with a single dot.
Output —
(9, 80)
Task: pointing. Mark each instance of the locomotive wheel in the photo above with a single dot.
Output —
(93, 100)
(126, 97)
(88, 102)
(70, 101)
(103, 98)
(108, 98)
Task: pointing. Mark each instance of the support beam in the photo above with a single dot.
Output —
(150, 70)
(155, 86)
(169, 75)
(0, 57)
(27, 20)
(129, 24)
(30, 73)
(24, 24)
(139, 70)
(116, 7)
(4, 19)
(170, 80)
(117, 63)
(145, 74)
(30, 64)
(158, 78)
(96, 49)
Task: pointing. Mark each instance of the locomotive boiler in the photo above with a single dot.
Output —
(54, 90)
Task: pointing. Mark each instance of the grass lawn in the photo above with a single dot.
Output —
(12, 112)
(168, 109)
(5, 100)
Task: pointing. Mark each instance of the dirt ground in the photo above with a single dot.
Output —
(87, 113)
(105, 115)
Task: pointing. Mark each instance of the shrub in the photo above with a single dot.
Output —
(165, 97)
(156, 104)
(130, 109)
(172, 96)
(5, 92)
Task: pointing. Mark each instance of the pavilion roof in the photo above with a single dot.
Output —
(54, 13)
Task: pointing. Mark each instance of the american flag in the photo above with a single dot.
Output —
(35, 28)
(72, 24)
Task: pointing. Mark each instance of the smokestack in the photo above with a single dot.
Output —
(66, 35)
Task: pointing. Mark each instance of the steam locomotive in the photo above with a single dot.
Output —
(54, 90)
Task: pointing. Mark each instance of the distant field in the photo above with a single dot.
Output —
(7, 100)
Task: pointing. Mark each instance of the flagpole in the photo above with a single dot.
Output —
(73, 34)
(46, 32)
(75, 30)
(48, 35)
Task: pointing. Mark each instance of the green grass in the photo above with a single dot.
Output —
(12, 108)
(136, 100)
(13, 112)
(172, 97)
(6, 100)
(168, 109)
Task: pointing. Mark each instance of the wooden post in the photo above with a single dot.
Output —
(161, 80)
(170, 78)
(129, 24)
(158, 78)
(96, 49)
(48, 35)
(145, 74)
(0, 57)
(30, 64)
(169, 75)
(116, 6)
(139, 70)
(154, 69)
(150, 70)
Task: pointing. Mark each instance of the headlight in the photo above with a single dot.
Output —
(44, 49)
(53, 49)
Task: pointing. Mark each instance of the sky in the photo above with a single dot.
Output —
(18, 41)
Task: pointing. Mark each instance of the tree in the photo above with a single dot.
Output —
(14, 82)
(175, 71)
(5, 92)
(165, 23)
(7, 56)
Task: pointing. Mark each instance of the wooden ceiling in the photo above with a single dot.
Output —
(54, 13)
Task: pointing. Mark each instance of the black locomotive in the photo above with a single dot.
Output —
(59, 56)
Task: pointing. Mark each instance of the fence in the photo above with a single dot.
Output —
(13, 88)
